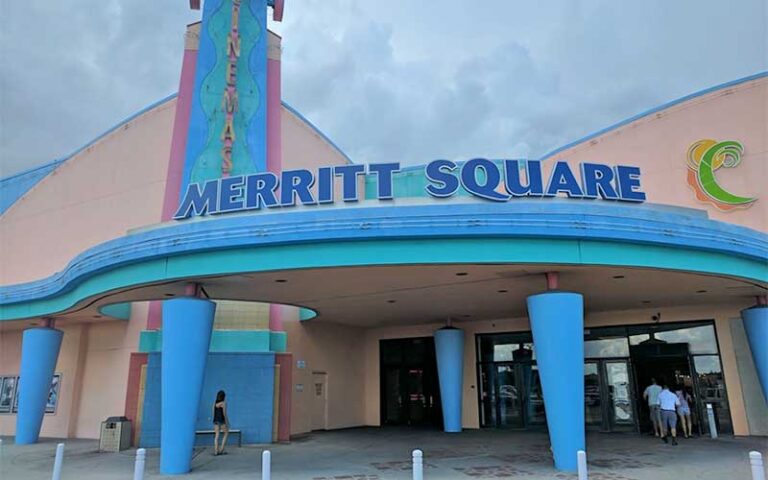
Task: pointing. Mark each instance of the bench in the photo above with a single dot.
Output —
(237, 432)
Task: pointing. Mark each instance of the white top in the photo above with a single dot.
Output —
(652, 393)
(668, 400)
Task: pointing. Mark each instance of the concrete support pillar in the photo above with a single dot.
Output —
(449, 347)
(39, 353)
(557, 323)
(756, 325)
(187, 326)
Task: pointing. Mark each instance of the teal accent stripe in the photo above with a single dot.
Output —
(395, 252)
(278, 342)
(119, 311)
(306, 314)
(224, 341)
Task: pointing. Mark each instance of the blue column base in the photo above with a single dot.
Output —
(39, 353)
(557, 323)
(187, 327)
(449, 348)
(756, 325)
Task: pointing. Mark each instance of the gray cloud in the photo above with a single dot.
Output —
(398, 80)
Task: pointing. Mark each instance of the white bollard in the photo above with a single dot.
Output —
(266, 465)
(756, 462)
(711, 420)
(58, 462)
(418, 465)
(138, 467)
(581, 464)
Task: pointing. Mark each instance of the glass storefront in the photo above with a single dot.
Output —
(619, 364)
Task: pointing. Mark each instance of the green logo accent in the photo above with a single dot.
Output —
(707, 156)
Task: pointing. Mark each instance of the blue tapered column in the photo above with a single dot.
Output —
(449, 347)
(557, 323)
(187, 325)
(756, 325)
(39, 353)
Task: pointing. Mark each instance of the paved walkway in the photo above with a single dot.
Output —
(384, 454)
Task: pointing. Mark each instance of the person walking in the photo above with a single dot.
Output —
(684, 410)
(668, 403)
(220, 423)
(651, 394)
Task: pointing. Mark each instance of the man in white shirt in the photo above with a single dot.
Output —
(668, 403)
(651, 394)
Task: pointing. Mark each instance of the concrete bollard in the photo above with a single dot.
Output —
(581, 464)
(756, 462)
(711, 420)
(138, 467)
(418, 465)
(266, 465)
(57, 464)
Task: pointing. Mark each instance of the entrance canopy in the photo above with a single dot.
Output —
(414, 263)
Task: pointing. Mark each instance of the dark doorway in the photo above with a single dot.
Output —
(669, 364)
(410, 390)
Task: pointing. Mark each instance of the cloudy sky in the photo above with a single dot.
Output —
(401, 80)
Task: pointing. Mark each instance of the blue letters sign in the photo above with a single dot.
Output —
(495, 181)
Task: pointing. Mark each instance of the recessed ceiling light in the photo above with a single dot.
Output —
(462, 274)
(618, 276)
(281, 280)
(466, 316)
(646, 301)
(97, 316)
(502, 291)
(170, 294)
(701, 291)
(391, 301)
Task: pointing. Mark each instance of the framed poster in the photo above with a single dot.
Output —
(53, 394)
(16, 395)
(7, 392)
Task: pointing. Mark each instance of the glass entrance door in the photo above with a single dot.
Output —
(593, 409)
(410, 394)
(608, 396)
(508, 400)
(621, 413)
(511, 395)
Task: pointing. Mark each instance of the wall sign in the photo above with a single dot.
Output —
(707, 156)
(480, 177)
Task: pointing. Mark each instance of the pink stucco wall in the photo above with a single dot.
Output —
(658, 144)
(99, 194)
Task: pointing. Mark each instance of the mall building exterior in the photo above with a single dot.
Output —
(322, 294)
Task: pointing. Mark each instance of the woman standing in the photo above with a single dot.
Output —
(684, 410)
(220, 423)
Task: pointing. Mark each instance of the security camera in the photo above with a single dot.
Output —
(656, 317)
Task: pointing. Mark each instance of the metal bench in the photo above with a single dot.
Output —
(237, 432)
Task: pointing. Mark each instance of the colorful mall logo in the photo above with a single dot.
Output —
(707, 156)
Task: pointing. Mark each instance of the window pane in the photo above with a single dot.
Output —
(712, 390)
(606, 347)
(699, 339)
(503, 352)
(505, 347)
